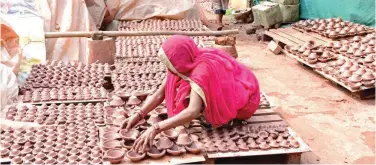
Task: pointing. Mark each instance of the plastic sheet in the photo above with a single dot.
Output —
(144, 9)
(8, 87)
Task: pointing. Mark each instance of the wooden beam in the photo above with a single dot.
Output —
(137, 33)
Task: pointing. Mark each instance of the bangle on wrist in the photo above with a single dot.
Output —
(141, 114)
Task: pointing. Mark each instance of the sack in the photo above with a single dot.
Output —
(290, 13)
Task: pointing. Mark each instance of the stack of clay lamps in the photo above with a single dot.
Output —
(171, 142)
(74, 93)
(245, 138)
(56, 114)
(333, 27)
(64, 144)
(58, 74)
(264, 102)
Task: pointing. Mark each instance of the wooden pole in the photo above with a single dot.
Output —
(137, 33)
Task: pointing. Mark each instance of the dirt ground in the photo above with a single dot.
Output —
(338, 128)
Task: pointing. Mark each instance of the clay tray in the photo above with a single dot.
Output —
(313, 66)
(57, 70)
(95, 112)
(180, 159)
(29, 126)
(302, 148)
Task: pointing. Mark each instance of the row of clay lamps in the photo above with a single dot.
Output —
(143, 77)
(171, 142)
(333, 27)
(60, 83)
(244, 138)
(65, 94)
(55, 114)
(351, 74)
(78, 66)
(72, 143)
(153, 25)
(130, 89)
(311, 53)
(144, 59)
(157, 41)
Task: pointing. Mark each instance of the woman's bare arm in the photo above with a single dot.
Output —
(185, 116)
(154, 100)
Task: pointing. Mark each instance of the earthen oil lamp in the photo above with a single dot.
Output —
(128, 144)
(176, 150)
(135, 156)
(223, 148)
(133, 100)
(156, 153)
(130, 135)
(164, 143)
(114, 156)
(234, 148)
(116, 101)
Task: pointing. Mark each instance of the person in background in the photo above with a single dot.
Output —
(200, 81)
(220, 7)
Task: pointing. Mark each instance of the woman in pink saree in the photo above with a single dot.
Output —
(199, 80)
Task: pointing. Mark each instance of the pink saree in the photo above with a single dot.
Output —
(228, 89)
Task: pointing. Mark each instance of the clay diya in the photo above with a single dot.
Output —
(253, 145)
(194, 148)
(116, 101)
(17, 160)
(164, 143)
(264, 146)
(135, 156)
(141, 95)
(176, 150)
(128, 144)
(130, 135)
(153, 119)
(114, 156)
(234, 148)
(368, 76)
(243, 147)
(171, 133)
(133, 100)
(183, 140)
(294, 143)
(112, 144)
(223, 148)
(156, 153)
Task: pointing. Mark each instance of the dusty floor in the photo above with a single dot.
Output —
(338, 128)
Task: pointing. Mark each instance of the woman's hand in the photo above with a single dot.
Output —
(141, 144)
(129, 124)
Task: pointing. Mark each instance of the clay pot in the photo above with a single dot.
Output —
(263, 134)
(156, 153)
(62, 159)
(153, 119)
(264, 146)
(194, 148)
(130, 135)
(4, 152)
(116, 101)
(171, 133)
(164, 143)
(368, 76)
(128, 144)
(211, 149)
(112, 144)
(133, 100)
(183, 140)
(135, 156)
(114, 156)
(355, 78)
(223, 148)
(176, 150)
(369, 83)
(253, 145)
(243, 147)
(17, 160)
(234, 148)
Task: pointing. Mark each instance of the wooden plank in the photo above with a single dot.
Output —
(302, 148)
(264, 118)
(277, 37)
(260, 112)
(287, 36)
(301, 36)
(294, 158)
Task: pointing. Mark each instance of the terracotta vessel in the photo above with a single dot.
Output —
(153, 119)
(234, 148)
(114, 156)
(243, 147)
(116, 101)
(135, 156)
(128, 144)
(133, 100)
(130, 135)
(156, 153)
(211, 149)
(223, 148)
(194, 148)
(183, 140)
(112, 144)
(176, 150)
(171, 133)
(164, 143)
(264, 146)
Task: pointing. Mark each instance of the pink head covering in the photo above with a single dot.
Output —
(226, 85)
